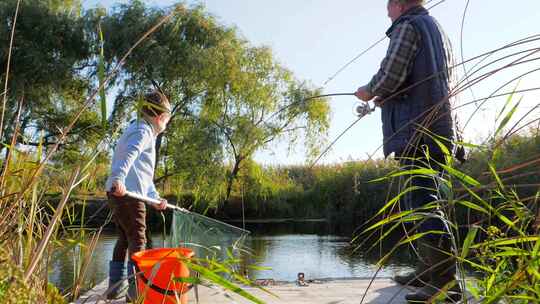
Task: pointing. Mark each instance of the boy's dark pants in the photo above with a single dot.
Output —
(129, 216)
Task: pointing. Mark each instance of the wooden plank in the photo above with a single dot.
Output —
(328, 292)
(341, 291)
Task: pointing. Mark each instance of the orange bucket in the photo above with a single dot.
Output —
(156, 269)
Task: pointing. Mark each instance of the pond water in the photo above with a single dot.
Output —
(314, 248)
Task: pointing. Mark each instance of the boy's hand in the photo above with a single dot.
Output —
(162, 205)
(118, 188)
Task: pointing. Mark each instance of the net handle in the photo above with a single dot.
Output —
(154, 201)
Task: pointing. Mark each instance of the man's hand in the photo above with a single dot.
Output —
(363, 94)
(118, 188)
(378, 101)
(162, 205)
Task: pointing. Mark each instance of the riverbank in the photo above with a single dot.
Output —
(93, 212)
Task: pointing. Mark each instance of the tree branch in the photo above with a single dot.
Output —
(162, 178)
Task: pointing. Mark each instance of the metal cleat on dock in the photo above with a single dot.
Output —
(300, 281)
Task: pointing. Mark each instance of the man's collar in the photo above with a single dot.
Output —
(416, 10)
(413, 11)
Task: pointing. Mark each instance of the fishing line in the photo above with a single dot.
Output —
(465, 72)
(513, 44)
(346, 65)
(353, 60)
(360, 109)
(307, 99)
(360, 106)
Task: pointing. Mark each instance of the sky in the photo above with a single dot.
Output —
(315, 38)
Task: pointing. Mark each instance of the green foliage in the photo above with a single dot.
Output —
(224, 92)
(230, 99)
(192, 156)
(50, 52)
(342, 193)
(220, 86)
(12, 288)
(493, 200)
(101, 79)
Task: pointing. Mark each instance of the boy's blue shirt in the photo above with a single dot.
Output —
(134, 159)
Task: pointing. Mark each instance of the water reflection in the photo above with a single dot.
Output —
(313, 248)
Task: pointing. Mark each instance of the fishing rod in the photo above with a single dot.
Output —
(380, 101)
(362, 109)
(155, 202)
(304, 100)
(346, 65)
(327, 95)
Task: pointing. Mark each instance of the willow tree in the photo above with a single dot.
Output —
(229, 99)
(259, 103)
(175, 59)
(47, 77)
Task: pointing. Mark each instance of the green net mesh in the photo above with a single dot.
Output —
(207, 237)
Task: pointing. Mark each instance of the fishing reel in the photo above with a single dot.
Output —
(362, 109)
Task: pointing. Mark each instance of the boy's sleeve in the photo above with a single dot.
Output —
(135, 145)
(153, 193)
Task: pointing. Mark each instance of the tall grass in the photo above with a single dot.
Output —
(490, 203)
(492, 225)
(30, 222)
(344, 192)
(35, 225)
(27, 232)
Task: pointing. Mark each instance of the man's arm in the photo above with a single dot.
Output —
(396, 66)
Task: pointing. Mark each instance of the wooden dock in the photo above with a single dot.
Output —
(336, 291)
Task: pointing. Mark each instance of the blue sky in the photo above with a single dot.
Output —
(314, 38)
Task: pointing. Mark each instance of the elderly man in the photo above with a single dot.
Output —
(412, 89)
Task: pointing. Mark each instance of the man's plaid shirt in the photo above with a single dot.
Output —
(404, 43)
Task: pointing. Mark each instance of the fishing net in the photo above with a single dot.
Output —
(207, 237)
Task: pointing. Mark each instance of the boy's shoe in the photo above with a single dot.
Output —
(117, 280)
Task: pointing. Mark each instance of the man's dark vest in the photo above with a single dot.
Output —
(423, 97)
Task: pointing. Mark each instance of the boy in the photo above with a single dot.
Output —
(132, 169)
